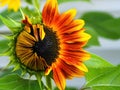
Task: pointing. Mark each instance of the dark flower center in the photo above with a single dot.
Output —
(37, 47)
(48, 47)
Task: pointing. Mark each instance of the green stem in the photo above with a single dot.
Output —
(36, 4)
(49, 83)
(38, 76)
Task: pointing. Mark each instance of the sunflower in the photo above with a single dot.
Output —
(52, 45)
(11, 4)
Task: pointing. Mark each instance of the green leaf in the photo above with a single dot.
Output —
(108, 80)
(102, 75)
(5, 71)
(36, 4)
(96, 17)
(29, 1)
(17, 15)
(3, 45)
(10, 23)
(113, 25)
(95, 63)
(100, 21)
(10, 14)
(94, 37)
(15, 82)
(64, 1)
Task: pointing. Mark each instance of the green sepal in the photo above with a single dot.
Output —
(17, 67)
(36, 20)
(9, 40)
(6, 53)
(13, 59)
(23, 72)
(10, 64)
(35, 17)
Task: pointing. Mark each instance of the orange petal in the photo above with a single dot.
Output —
(70, 71)
(72, 46)
(75, 25)
(68, 53)
(65, 18)
(27, 21)
(74, 59)
(50, 12)
(75, 37)
(58, 77)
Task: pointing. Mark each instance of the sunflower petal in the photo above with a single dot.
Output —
(82, 67)
(48, 70)
(50, 12)
(77, 36)
(73, 60)
(58, 77)
(75, 25)
(14, 5)
(4, 2)
(70, 71)
(25, 39)
(65, 18)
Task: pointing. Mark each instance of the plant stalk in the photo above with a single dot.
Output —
(49, 83)
(38, 76)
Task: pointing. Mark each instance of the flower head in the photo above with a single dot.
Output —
(54, 44)
(11, 4)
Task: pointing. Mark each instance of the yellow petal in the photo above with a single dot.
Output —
(82, 67)
(48, 70)
(4, 2)
(41, 33)
(84, 36)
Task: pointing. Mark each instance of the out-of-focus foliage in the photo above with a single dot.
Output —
(103, 23)
(94, 40)
(102, 75)
(64, 1)
(15, 82)
(3, 45)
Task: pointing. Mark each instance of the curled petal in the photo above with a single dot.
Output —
(48, 70)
